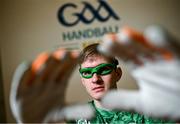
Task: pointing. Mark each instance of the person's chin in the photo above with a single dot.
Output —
(98, 95)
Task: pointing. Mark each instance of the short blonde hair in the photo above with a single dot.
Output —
(92, 50)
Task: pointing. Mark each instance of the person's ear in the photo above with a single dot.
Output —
(118, 72)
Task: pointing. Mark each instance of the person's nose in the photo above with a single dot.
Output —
(96, 78)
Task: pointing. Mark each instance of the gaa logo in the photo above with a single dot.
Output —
(81, 17)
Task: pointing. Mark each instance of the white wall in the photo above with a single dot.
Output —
(30, 27)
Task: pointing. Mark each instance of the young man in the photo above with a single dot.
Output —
(38, 89)
(99, 74)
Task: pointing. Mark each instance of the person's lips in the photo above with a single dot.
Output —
(98, 88)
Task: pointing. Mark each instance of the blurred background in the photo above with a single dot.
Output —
(28, 27)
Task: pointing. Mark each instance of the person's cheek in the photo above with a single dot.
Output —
(107, 82)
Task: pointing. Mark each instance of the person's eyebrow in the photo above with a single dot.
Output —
(96, 65)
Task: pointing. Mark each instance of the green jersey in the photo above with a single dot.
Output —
(116, 117)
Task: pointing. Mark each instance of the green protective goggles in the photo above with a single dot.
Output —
(102, 69)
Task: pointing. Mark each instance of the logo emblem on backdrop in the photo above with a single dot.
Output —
(80, 17)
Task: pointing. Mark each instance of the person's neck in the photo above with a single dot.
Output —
(98, 103)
